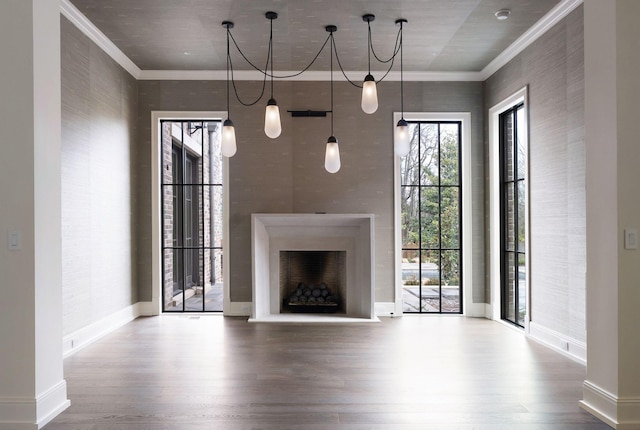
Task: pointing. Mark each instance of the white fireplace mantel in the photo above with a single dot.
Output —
(272, 233)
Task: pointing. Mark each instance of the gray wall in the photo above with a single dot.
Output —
(553, 67)
(99, 128)
(107, 172)
(287, 174)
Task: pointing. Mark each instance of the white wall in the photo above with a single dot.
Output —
(32, 388)
(612, 61)
(628, 91)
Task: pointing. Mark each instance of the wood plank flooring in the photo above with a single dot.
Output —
(211, 372)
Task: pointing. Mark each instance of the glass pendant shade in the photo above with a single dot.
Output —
(332, 156)
(272, 126)
(369, 95)
(401, 138)
(228, 138)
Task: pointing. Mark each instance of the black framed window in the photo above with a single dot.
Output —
(192, 196)
(513, 195)
(430, 195)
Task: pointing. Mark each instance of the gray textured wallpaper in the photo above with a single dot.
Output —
(99, 131)
(553, 67)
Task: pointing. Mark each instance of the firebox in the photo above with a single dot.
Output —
(312, 281)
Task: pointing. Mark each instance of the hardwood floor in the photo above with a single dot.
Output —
(414, 372)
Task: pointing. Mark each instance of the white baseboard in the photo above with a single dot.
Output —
(488, 311)
(475, 310)
(147, 309)
(51, 403)
(385, 309)
(237, 309)
(619, 413)
(563, 344)
(32, 414)
(599, 402)
(79, 339)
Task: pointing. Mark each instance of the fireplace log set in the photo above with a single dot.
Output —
(312, 298)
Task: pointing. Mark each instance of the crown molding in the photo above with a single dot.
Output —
(78, 19)
(545, 23)
(253, 75)
(556, 14)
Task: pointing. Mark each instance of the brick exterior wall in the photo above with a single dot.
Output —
(215, 239)
(168, 212)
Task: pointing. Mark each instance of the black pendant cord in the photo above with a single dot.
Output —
(369, 46)
(333, 47)
(293, 75)
(342, 69)
(266, 72)
(271, 52)
(396, 48)
(228, 62)
(393, 59)
(269, 73)
(401, 75)
(264, 82)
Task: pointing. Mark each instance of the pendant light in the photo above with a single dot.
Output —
(332, 153)
(369, 91)
(272, 126)
(401, 135)
(228, 131)
(272, 121)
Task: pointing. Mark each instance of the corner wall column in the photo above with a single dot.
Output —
(612, 90)
(32, 388)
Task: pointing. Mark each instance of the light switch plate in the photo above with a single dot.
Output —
(630, 238)
(14, 240)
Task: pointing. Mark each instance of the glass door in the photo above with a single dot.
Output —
(513, 152)
(430, 194)
(192, 191)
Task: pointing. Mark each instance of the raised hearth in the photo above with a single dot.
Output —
(351, 234)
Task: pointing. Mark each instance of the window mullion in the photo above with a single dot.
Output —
(420, 242)
(440, 215)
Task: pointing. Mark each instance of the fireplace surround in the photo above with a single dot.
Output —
(351, 234)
